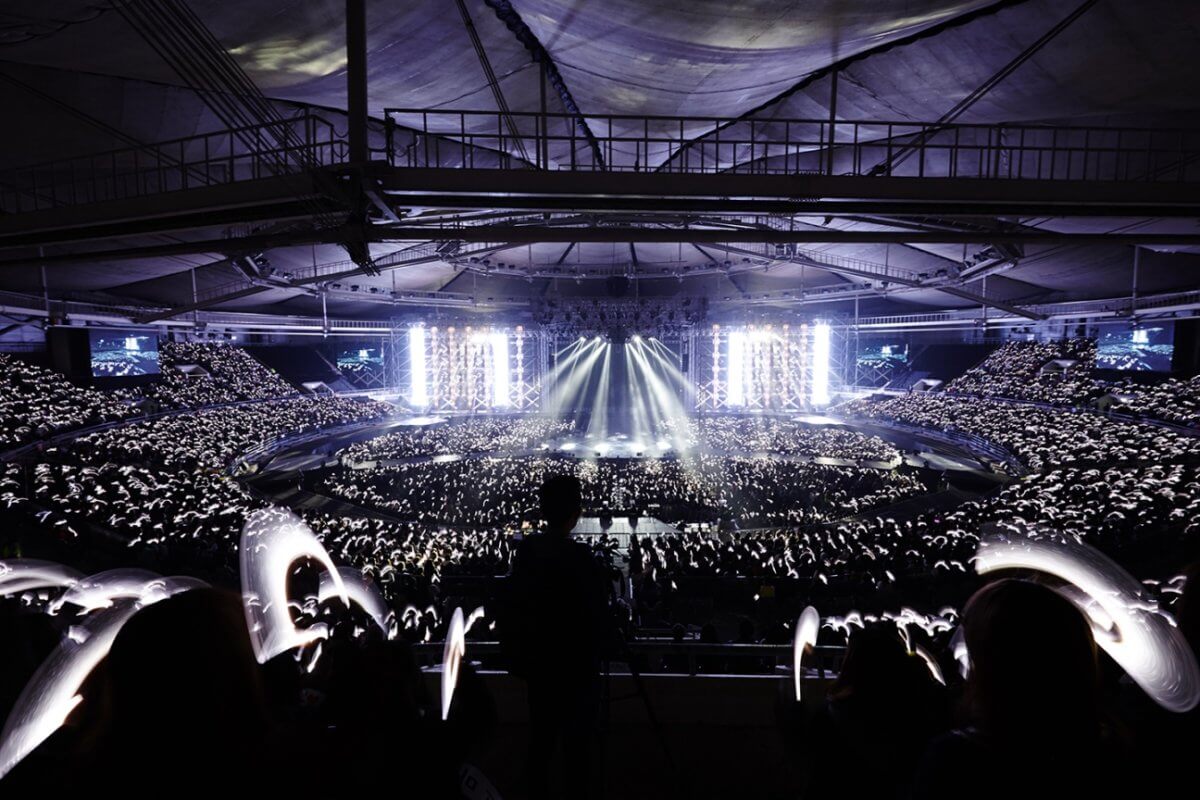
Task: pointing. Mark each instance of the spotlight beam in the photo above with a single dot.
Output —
(574, 386)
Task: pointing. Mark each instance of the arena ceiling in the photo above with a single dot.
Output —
(77, 79)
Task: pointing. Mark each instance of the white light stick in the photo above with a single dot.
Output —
(931, 663)
(958, 646)
(1129, 626)
(806, 636)
(360, 592)
(452, 655)
(53, 691)
(104, 588)
(20, 575)
(472, 618)
(274, 539)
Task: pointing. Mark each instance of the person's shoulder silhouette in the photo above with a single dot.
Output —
(558, 586)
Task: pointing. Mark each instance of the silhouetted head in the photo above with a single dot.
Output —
(876, 665)
(1188, 612)
(561, 499)
(1033, 663)
(182, 675)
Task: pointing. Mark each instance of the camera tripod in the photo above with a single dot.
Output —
(622, 652)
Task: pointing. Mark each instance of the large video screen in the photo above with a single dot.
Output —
(360, 357)
(119, 354)
(1142, 349)
(883, 354)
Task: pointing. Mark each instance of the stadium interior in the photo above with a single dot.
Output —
(533, 398)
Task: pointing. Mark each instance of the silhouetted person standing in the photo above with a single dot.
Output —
(559, 608)
(1033, 695)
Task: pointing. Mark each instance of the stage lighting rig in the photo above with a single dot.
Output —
(768, 367)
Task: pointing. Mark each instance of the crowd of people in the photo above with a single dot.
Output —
(739, 434)
(161, 488)
(1040, 437)
(1145, 515)
(227, 374)
(1174, 400)
(38, 403)
(498, 490)
(211, 438)
(1018, 370)
(471, 435)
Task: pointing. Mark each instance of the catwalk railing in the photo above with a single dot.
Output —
(482, 140)
(291, 147)
(657, 656)
(422, 138)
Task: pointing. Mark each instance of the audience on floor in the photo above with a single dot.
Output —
(494, 490)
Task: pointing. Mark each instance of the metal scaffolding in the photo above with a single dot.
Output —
(766, 367)
(467, 368)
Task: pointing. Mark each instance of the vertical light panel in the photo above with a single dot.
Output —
(418, 378)
(501, 379)
(736, 371)
(820, 364)
(716, 367)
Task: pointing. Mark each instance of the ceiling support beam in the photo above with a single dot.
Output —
(629, 233)
(512, 20)
(356, 79)
(891, 276)
(530, 234)
(564, 255)
(397, 260)
(493, 82)
(497, 188)
(705, 253)
(899, 156)
(453, 203)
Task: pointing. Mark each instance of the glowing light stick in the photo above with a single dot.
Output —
(359, 591)
(274, 539)
(806, 636)
(931, 663)
(53, 691)
(958, 646)
(20, 575)
(452, 655)
(104, 588)
(1129, 626)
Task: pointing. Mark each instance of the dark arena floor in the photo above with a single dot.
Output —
(600, 399)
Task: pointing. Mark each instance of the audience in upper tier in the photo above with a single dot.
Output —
(232, 375)
(212, 438)
(1042, 438)
(1016, 371)
(36, 403)
(1174, 400)
(1020, 371)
